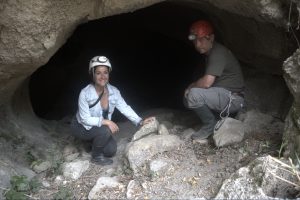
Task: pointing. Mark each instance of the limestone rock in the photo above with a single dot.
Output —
(132, 188)
(147, 129)
(230, 132)
(38, 168)
(168, 124)
(292, 126)
(142, 150)
(257, 181)
(158, 165)
(162, 130)
(104, 182)
(75, 169)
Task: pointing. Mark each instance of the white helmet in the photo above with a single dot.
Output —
(97, 61)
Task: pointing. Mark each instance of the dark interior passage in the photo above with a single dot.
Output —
(152, 61)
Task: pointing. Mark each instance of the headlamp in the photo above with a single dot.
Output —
(192, 37)
(102, 59)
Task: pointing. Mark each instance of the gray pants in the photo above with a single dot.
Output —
(215, 98)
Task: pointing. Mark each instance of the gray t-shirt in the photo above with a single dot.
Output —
(222, 64)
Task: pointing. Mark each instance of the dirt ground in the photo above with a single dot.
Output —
(194, 170)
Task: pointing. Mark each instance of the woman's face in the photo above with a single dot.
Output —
(101, 75)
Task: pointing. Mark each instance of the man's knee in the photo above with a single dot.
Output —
(195, 98)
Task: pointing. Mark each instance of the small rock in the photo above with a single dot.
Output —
(110, 171)
(75, 169)
(102, 183)
(38, 168)
(157, 165)
(200, 141)
(147, 129)
(58, 180)
(131, 189)
(71, 157)
(86, 156)
(46, 184)
(162, 130)
(68, 150)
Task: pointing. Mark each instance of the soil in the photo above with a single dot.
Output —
(195, 170)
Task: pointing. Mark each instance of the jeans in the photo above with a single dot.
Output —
(101, 138)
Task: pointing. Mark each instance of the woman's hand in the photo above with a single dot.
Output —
(147, 120)
(111, 125)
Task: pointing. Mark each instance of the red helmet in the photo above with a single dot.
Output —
(200, 28)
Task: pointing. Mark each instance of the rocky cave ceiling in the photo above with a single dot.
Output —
(152, 57)
(35, 35)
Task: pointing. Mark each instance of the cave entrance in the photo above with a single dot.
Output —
(151, 57)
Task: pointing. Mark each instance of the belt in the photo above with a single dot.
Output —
(241, 94)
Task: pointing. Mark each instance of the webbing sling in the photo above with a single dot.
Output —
(99, 98)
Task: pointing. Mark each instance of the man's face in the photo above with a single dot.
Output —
(203, 44)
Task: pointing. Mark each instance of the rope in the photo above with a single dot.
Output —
(226, 109)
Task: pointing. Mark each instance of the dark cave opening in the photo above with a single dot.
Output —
(153, 62)
(150, 67)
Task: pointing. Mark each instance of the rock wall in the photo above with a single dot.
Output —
(292, 126)
(260, 10)
(291, 67)
(254, 30)
(32, 31)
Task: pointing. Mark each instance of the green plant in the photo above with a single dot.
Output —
(291, 21)
(266, 144)
(63, 193)
(54, 156)
(283, 144)
(291, 168)
(21, 187)
(29, 157)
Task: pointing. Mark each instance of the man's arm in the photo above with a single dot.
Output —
(205, 82)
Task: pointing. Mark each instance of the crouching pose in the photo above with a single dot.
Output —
(221, 86)
(96, 105)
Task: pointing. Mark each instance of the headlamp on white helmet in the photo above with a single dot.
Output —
(99, 61)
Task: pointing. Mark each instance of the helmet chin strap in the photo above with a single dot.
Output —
(93, 72)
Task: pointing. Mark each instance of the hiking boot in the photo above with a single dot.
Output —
(201, 135)
(209, 121)
(102, 160)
